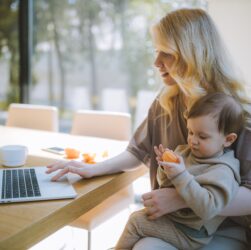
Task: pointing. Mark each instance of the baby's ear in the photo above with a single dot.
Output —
(230, 139)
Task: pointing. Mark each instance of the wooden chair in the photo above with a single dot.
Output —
(111, 125)
(33, 116)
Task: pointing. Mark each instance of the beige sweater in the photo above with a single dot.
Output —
(207, 185)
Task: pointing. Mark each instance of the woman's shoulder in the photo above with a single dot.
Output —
(243, 143)
(243, 154)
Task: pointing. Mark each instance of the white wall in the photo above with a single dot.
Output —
(233, 19)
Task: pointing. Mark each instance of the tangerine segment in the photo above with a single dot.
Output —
(87, 158)
(72, 153)
(170, 156)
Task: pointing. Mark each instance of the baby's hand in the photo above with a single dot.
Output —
(159, 152)
(172, 169)
(165, 154)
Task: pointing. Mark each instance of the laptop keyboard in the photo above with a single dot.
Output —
(19, 183)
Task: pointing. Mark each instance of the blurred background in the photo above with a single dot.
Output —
(76, 54)
(80, 53)
(98, 54)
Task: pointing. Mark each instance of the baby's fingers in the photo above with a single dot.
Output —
(168, 164)
(157, 151)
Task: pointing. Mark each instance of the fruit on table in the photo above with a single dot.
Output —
(170, 156)
(71, 153)
(88, 158)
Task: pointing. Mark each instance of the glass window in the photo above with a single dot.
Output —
(84, 51)
(9, 55)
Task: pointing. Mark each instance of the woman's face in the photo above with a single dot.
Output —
(164, 62)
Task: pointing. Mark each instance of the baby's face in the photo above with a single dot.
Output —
(204, 137)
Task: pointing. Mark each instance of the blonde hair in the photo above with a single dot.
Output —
(201, 64)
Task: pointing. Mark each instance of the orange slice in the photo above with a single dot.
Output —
(88, 158)
(71, 153)
(170, 156)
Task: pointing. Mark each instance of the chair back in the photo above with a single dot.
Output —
(105, 124)
(32, 116)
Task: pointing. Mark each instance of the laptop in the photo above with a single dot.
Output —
(32, 184)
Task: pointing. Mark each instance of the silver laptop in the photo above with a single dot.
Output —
(32, 184)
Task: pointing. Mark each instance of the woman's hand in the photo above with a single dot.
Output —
(64, 167)
(162, 201)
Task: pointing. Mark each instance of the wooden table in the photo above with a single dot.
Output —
(24, 224)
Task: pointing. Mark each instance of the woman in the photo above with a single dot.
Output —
(192, 62)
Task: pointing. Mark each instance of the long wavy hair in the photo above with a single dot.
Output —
(201, 63)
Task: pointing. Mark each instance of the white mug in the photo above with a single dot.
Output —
(13, 155)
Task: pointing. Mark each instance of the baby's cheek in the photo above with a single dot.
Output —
(208, 149)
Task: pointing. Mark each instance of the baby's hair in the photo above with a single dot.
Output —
(225, 109)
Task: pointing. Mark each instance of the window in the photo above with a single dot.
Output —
(9, 54)
(81, 48)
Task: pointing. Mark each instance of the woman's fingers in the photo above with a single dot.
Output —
(62, 164)
(55, 166)
(154, 215)
(148, 203)
(147, 196)
(161, 201)
(70, 167)
(60, 174)
(65, 170)
(152, 211)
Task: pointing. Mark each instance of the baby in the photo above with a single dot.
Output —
(206, 176)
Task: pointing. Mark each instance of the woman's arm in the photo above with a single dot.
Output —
(166, 200)
(122, 162)
(240, 205)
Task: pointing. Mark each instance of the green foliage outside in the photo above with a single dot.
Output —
(77, 32)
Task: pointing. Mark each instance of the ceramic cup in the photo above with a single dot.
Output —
(13, 155)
